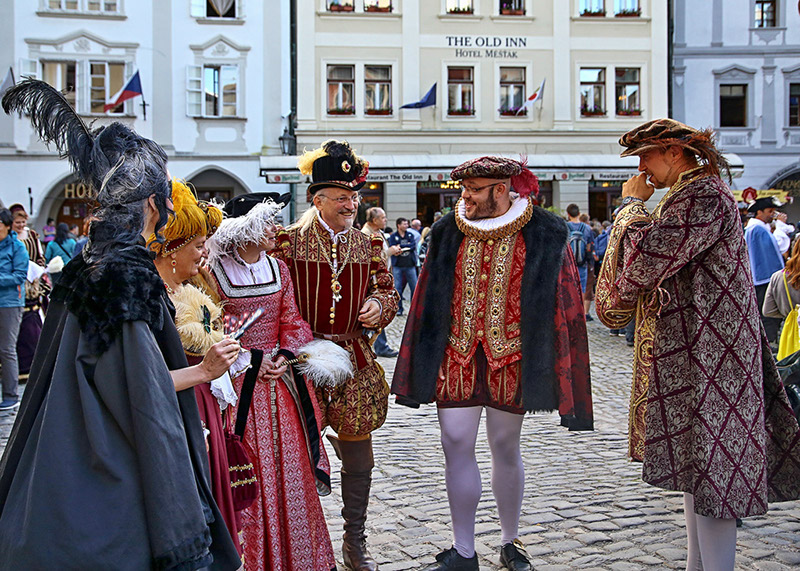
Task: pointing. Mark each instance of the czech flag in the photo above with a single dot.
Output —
(129, 91)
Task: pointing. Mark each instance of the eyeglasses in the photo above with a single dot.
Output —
(471, 191)
(342, 200)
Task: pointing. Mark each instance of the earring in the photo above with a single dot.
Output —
(173, 265)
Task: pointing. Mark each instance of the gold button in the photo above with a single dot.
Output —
(333, 315)
(332, 322)
(479, 333)
(482, 295)
(486, 258)
(480, 315)
(484, 277)
(490, 242)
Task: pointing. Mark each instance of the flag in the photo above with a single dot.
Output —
(129, 91)
(535, 96)
(427, 101)
(8, 82)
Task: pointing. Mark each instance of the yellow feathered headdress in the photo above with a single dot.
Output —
(192, 218)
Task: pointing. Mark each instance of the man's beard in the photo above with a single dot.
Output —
(350, 216)
(485, 209)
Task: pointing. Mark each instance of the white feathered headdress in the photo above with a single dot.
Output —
(247, 229)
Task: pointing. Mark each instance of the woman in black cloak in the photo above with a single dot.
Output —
(106, 465)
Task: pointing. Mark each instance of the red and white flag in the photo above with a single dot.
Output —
(535, 96)
(130, 90)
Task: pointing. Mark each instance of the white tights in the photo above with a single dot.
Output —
(459, 428)
(712, 541)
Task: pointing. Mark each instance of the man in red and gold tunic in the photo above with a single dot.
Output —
(342, 288)
(511, 340)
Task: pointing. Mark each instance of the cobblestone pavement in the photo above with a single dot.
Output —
(585, 505)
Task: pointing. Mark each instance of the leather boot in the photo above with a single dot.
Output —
(357, 463)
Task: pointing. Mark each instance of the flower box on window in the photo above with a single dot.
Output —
(513, 112)
(342, 110)
(377, 8)
(629, 13)
(462, 112)
(340, 8)
(594, 13)
(378, 111)
(592, 112)
(460, 10)
(629, 112)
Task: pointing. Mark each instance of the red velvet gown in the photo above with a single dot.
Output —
(285, 527)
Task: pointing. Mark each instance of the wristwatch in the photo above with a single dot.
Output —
(628, 199)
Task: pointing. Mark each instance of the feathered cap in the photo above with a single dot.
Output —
(95, 156)
(333, 164)
(251, 215)
(192, 218)
(763, 203)
(523, 181)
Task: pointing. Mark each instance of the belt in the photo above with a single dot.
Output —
(336, 337)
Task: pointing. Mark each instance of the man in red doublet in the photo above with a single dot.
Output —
(511, 340)
(342, 288)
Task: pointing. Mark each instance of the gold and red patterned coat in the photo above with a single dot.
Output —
(359, 406)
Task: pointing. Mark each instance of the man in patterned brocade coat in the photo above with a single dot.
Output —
(342, 287)
(709, 416)
(511, 339)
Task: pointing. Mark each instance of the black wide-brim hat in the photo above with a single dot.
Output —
(764, 203)
(241, 205)
(335, 165)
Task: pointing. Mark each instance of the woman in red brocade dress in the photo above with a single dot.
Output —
(284, 528)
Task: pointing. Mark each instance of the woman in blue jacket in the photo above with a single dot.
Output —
(13, 271)
(62, 246)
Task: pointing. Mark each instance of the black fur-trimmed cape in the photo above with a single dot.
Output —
(426, 336)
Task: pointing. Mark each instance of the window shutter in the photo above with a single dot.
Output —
(198, 8)
(82, 97)
(194, 90)
(230, 73)
(27, 68)
(240, 9)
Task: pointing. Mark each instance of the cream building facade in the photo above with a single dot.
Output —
(602, 63)
(214, 76)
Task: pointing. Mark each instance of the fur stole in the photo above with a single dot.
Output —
(122, 285)
(545, 238)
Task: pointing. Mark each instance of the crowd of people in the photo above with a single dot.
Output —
(194, 354)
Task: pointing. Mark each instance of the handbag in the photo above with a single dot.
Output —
(790, 336)
(244, 483)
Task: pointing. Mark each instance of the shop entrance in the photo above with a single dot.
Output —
(604, 198)
(435, 197)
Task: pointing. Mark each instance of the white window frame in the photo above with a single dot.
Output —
(594, 4)
(777, 8)
(735, 75)
(359, 89)
(615, 10)
(639, 84)
(197, 10)
(108, 92)
(528, 67)
(606, 89)
(195, 73)
(82, 7)
(447, 4)
(476, 86)
(365, 82)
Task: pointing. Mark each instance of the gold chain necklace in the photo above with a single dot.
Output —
(336, 268)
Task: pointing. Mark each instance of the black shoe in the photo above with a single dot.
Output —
(389, 353)
(450, 560)
(513, 556)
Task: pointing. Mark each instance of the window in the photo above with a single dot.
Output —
(765, 14)
(212, 91)
(105, 80)
(593, 91)
(627, 91)
(340, 5)
(627, 8)
(341, 87)
(733, 105)
(377, 5)
(459, 7)
(62, 75)
(794, 104)
(512, 7)
(111, 6)
(460, 88)
(512, 91)
(378, 89)
(220, 8)
(592, 7)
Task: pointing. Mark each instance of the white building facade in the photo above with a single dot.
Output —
(212, 74)
(737, 69)
(602, 63)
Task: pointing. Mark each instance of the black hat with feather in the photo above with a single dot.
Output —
(334, 164)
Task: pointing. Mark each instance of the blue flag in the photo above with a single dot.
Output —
(427, 101)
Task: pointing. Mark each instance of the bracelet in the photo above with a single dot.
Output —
(628, 199)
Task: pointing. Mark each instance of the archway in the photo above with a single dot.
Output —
(217, 183)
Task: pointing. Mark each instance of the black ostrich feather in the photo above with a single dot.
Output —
(55, 120)
(338, 149)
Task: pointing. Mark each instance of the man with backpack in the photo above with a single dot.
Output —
(581, 242)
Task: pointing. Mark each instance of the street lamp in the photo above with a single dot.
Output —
(288, 142)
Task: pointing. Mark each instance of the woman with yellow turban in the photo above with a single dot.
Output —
(198, 317)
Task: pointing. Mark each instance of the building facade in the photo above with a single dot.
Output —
(599, 68)
(212, 74)
(736, 68)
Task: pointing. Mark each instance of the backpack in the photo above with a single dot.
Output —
(601, 243)
(577, 244)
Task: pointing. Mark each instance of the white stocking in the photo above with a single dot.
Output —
(508, 474)
(712, 541)
(459, 427)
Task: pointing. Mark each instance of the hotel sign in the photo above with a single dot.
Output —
(504, 47)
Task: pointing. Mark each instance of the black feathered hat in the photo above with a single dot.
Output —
(243, 204)
(334, 164)
(764, 203)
